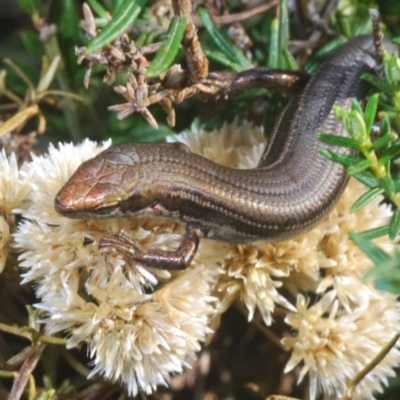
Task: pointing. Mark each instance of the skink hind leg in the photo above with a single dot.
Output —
(170, 260)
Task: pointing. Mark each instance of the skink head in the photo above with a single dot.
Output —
(85, 195)
(104, 187)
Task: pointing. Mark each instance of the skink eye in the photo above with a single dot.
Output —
(111, 210)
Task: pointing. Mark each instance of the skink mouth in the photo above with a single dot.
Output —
(81, 209)
(64, 205)
(107, 211)
(64, 209)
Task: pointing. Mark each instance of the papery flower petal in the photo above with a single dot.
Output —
(335, 343)
(14, 182)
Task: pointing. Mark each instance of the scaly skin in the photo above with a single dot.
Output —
(292, 188)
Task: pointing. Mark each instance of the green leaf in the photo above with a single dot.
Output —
(388, 184)
(97, 8)
(115, 4)
(340, 158)
(223, 42)
(386, 275)
(370, 111)
(283, 32)
(32, 43)
(322, 54)
(101, 22)
(278, 54)
(390, 152)
(359, 167)
(273, 50)
(367, 178)
(221, 58)
(290, 61)
(355, 125)
(384, 126)
(371, 250)
(120, 22)
(336, 140)
(381, 85)
(366, 198)
(346, 27)
(355, 106)
(48, 76)
(30, 6)
(394, 226)
(169, 49)
(383, 141)
(340, 113)
(392, 69)
(68, 20)
(64, 15)
(375, 232)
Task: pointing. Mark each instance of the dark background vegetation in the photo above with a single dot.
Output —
(243, 363)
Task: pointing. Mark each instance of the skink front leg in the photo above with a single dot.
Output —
(170, 260)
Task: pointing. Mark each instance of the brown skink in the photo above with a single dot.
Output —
(291, 189)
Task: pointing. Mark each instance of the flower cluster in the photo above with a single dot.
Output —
(99, 298)
(334, 343)
(14, 184)
(143, 324)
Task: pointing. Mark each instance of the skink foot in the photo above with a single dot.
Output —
(170, 260)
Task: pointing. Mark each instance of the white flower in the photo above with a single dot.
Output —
(14, 183)
(334, 343)
(140, 328)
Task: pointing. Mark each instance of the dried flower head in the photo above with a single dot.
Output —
(335, 343)
(139, 326)
(14, 185)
